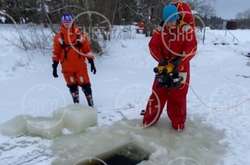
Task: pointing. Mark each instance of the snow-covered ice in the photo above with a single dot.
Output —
(74, 118)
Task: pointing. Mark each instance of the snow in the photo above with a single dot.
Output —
(218, 104)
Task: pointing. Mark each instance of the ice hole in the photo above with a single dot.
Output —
(129, 154)
(199, 143)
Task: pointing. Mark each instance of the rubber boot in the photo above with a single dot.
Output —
(88, 94)
(74, 91)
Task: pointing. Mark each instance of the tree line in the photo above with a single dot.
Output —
(117, 11)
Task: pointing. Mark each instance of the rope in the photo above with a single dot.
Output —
(217, 108)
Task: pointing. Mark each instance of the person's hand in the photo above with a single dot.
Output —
(55, 75)
(163, 62)
(176, 62)
(54, 67)
(93, 69)
(88, 55)
(92, 66)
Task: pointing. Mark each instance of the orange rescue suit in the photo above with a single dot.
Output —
(70, 48)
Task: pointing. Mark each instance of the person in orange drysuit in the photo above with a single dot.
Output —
(71, 48)
(173, 44)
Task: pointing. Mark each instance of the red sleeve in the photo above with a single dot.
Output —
(155, 46)
(57, 49)
(187, 13)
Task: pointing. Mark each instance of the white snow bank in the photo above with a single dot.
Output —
(75, 118)
(198, 144)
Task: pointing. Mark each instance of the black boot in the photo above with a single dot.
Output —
(88, 94)
(74, 91)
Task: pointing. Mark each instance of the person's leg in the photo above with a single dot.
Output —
(84, 81)
(71, 81)
(155, 105)
(177, 105)
(177, 109)
(74, 91)
(88, 94)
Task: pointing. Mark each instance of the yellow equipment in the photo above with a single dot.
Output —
(169, 68)
(168, 76)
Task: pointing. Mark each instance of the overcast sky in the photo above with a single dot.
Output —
(229, 8)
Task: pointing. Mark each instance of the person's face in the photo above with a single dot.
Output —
(171, 24)
(67, 25)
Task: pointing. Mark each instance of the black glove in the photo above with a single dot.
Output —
(163, 62)
(92, 66)
(176, 78)
(162, 23)
(54, 66)
(176, 62)
(78, 44)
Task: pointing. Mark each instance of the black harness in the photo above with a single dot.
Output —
(66, 46)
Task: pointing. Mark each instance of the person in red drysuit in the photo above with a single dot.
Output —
(169, 46)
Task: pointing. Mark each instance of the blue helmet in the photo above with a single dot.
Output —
(170, 13)
(67, 18)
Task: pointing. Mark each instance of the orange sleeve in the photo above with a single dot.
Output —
(86, 45)
(57, 49)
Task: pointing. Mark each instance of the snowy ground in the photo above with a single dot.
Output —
(218, 99)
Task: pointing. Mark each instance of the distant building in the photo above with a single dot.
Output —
(231, 25)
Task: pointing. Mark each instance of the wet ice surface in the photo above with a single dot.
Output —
(74, 118)
(198, 144)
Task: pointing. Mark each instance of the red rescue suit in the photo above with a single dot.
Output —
(167, 44)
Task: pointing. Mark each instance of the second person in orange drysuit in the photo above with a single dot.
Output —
(71, 48)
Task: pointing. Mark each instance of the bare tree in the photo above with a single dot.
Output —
(205, 8)
(243, 15)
